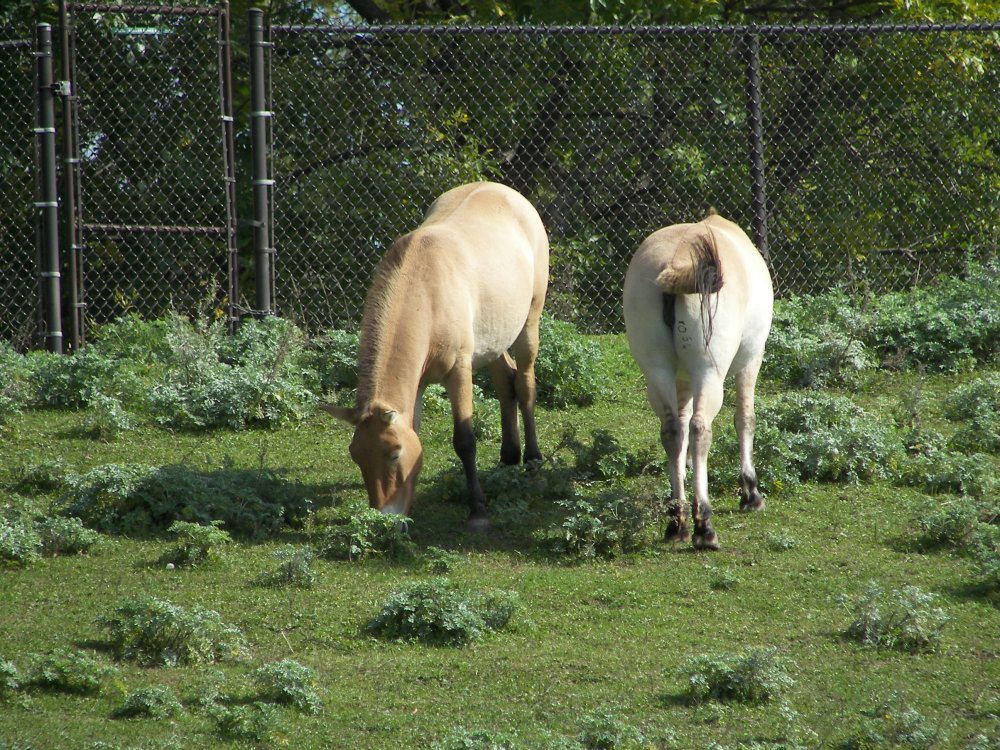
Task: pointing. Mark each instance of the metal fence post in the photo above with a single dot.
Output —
(72, 239)
(260, 120)
(755, 121)
(229, 159)
(47, 203)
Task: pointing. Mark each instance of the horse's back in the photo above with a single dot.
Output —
(481, 254)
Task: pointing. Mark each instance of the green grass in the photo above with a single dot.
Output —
(586, 637)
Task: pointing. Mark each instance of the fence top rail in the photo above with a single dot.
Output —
(165, 10)
(584, 30)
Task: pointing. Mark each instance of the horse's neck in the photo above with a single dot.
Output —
(393, 368)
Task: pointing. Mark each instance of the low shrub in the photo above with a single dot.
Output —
(461, 738)
(613, 523)
(14, 386)
(935, 470)
(68, 671)
(358, 533)
(568, 368)
(946, 327)
(605, 457)
(948, 521)
(294, 568)
(20, 543)
(135, 499)
(893, 726)
(605, 730)
(977, 405)
(255, 722)
(814, 437)
(197, 543)
(66, 536)
(437, 612)
(903, 619)
(45, 476)
(985, 548)
(10, 679)
(333, 355)
(818, 342)
(149, 703)
(154, 632)
(291, 683)
(754, 676)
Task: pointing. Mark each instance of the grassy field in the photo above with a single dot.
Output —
(588, 637)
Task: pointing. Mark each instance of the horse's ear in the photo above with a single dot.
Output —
(343, 413)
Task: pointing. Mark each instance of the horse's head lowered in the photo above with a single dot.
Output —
(388, 452)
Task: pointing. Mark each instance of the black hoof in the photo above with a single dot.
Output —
(676, 532)
(706, 540)
(752, 504)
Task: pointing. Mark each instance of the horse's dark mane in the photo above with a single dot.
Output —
(374, 323)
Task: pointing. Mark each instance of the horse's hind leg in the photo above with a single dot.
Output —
(459, 387)
(746, 423)
(525, 354)
(707, 403)
(503, 373)
(662, 392)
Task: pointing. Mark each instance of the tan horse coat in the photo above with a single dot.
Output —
(698, 306)
(450, 297)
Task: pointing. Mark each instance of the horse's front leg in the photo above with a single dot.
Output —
(459, 387)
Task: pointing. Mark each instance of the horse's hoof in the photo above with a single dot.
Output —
(752, 504)
(478, 525)
(706, 541)
(676, 532)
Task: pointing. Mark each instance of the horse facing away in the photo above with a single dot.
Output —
(698, 306)
(450, 297)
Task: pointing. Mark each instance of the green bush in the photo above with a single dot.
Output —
(14, 386)
(814, 437)
(68, 671)
(948, 521)
(893, 726)
(66, 536)
(257, 377)
(10, 679)
(333, 355)
(754, 676)
(936, 470)
(358, 533)
(943, 328)
(134, 499)
(20, 543)
(154, 632)
(438, 613)
(605, 730)
(461, 738)
(985, 549)
(817, 342)
(149, 703)
(568, 368)
(614, 523)
(977, 404)
(197, 543)
(294, 568)
(256, 722)
(902, 619)
(289, 682)
(605, 457)
(45, 476)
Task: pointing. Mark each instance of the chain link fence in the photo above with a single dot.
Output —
(879, 148)
(155, 209)
(858, 157)
(19, 278)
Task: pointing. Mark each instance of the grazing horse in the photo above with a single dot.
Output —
(698, 306)
(452, 296)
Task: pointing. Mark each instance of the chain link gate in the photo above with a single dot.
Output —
(19, 280)
(846, 150)
(154, 215)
